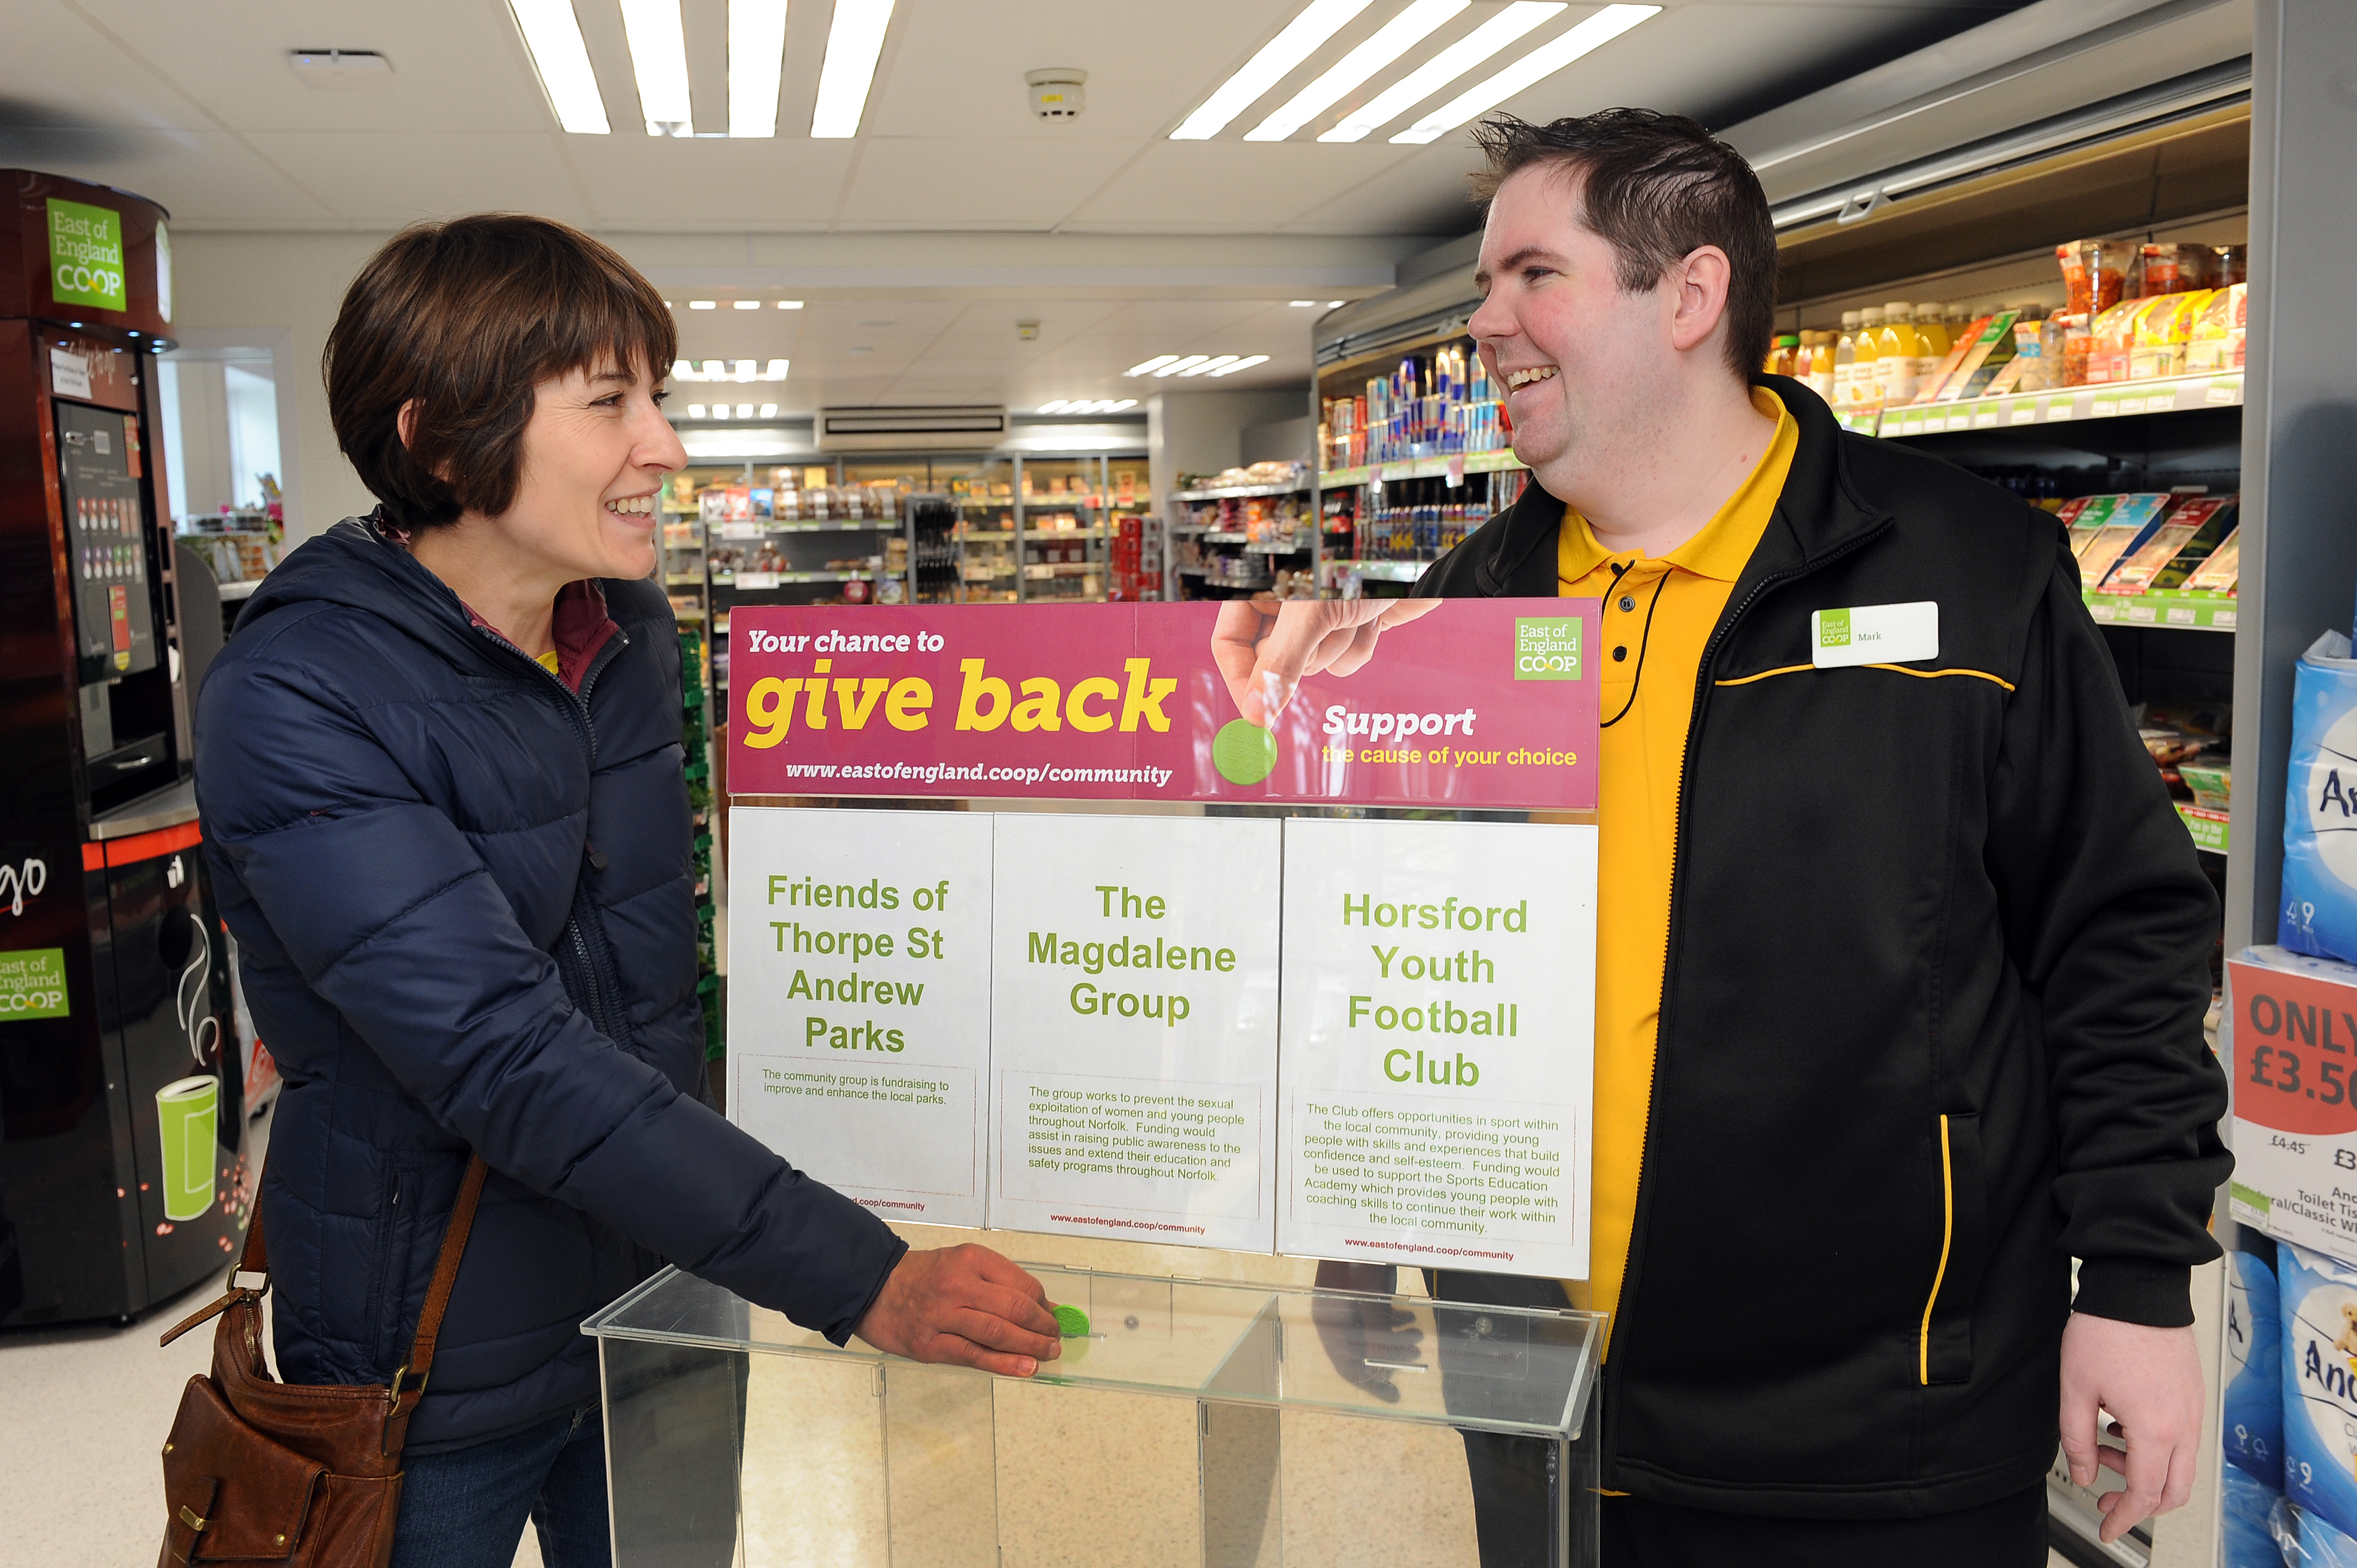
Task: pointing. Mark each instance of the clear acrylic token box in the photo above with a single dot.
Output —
(1198, 1423)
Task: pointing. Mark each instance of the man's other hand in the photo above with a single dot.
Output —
(1355, 1333)
(2150, 1380)
(966, 1304)
(1264, 647)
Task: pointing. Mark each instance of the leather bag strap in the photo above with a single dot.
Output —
(445, 1269)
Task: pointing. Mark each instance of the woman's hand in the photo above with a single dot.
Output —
(965, 1304)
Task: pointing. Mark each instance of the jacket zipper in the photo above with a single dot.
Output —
(1619, 1330)
(593, 976)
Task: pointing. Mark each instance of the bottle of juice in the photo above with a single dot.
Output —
(1845, 361)
(1819, 351)
(1866, 379)
(1899, 347)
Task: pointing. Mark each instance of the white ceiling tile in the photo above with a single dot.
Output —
(959, 70)
(652, 182)
(455, 66)
(205, 179)
(1238, 188)
(394, 181)
(972, 183)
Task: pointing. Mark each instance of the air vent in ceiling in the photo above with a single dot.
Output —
(961, 429)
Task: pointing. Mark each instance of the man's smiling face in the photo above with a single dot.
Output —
(1582, 360)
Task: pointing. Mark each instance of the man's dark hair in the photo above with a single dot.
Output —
(1656, 188)
(464, 319)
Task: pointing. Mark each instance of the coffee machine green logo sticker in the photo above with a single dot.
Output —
(86, 255)
(33, 983)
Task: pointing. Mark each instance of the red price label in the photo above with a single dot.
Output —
(2295, 1042)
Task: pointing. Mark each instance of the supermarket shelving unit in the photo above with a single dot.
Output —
(1225, 560)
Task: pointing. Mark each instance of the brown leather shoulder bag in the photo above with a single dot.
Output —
(307, 1475)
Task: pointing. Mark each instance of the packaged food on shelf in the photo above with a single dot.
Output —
(2121, 528)
(1990, 351)
(2095, 273)
(1439, 401)
(2175, 269)
(2186, 522)
(2215, 342)
(2210, 779)
(2219, 571)
(2163, 333)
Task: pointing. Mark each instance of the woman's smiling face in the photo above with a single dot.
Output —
(594, 458)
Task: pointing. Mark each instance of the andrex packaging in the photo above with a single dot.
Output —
(2318, 1299)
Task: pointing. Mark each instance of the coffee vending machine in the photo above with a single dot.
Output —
(122, 1179)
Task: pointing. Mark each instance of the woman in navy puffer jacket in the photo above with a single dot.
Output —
(440, 774)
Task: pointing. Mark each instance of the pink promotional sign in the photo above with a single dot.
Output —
(1479, 703)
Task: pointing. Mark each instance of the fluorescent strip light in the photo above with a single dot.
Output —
(1444, 67)
(853, 43)
(744, 411)
(696, 411)
(757, 56)
(681, 370)
(658, 58)
(746, 304)
(789, 305)
(745, 371)
(1148, 367)
(1336, 304)
(1394, 39)
(713, 370)
(704, 304)
(1296, 304)
(1123, 403)
(1181, 367)
(1209, 366)
(1303, 37)
(553, 36)
(768, 410)
(1543, 61)
(1055, 405)
(775, 372)
(1243, 364)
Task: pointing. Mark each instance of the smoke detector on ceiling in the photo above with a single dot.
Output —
(341, 70)
(1056, 91)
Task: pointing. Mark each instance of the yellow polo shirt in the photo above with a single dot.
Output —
(1639, 757)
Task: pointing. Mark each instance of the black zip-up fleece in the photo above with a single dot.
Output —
(1932, 1018)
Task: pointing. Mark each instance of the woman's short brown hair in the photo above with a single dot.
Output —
(464, 319)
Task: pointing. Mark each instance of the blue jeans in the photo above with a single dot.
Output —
(466, 1508)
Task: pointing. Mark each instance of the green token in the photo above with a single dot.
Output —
(1245, 753)
(1072, 1321)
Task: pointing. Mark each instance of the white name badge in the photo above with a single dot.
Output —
(1874, 634)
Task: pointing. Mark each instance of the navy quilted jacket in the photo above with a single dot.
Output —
(463, 902)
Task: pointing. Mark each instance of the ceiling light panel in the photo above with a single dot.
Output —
(853, 44)
(1211, 364)
(1591, 34)
(1148, 367)
(1302, 36)
(775, 370)
(1246, 363)
(1181, 367)
(1444, 67)
(552, 34)
(659, 59)
(1393, 40)
(757, 56)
